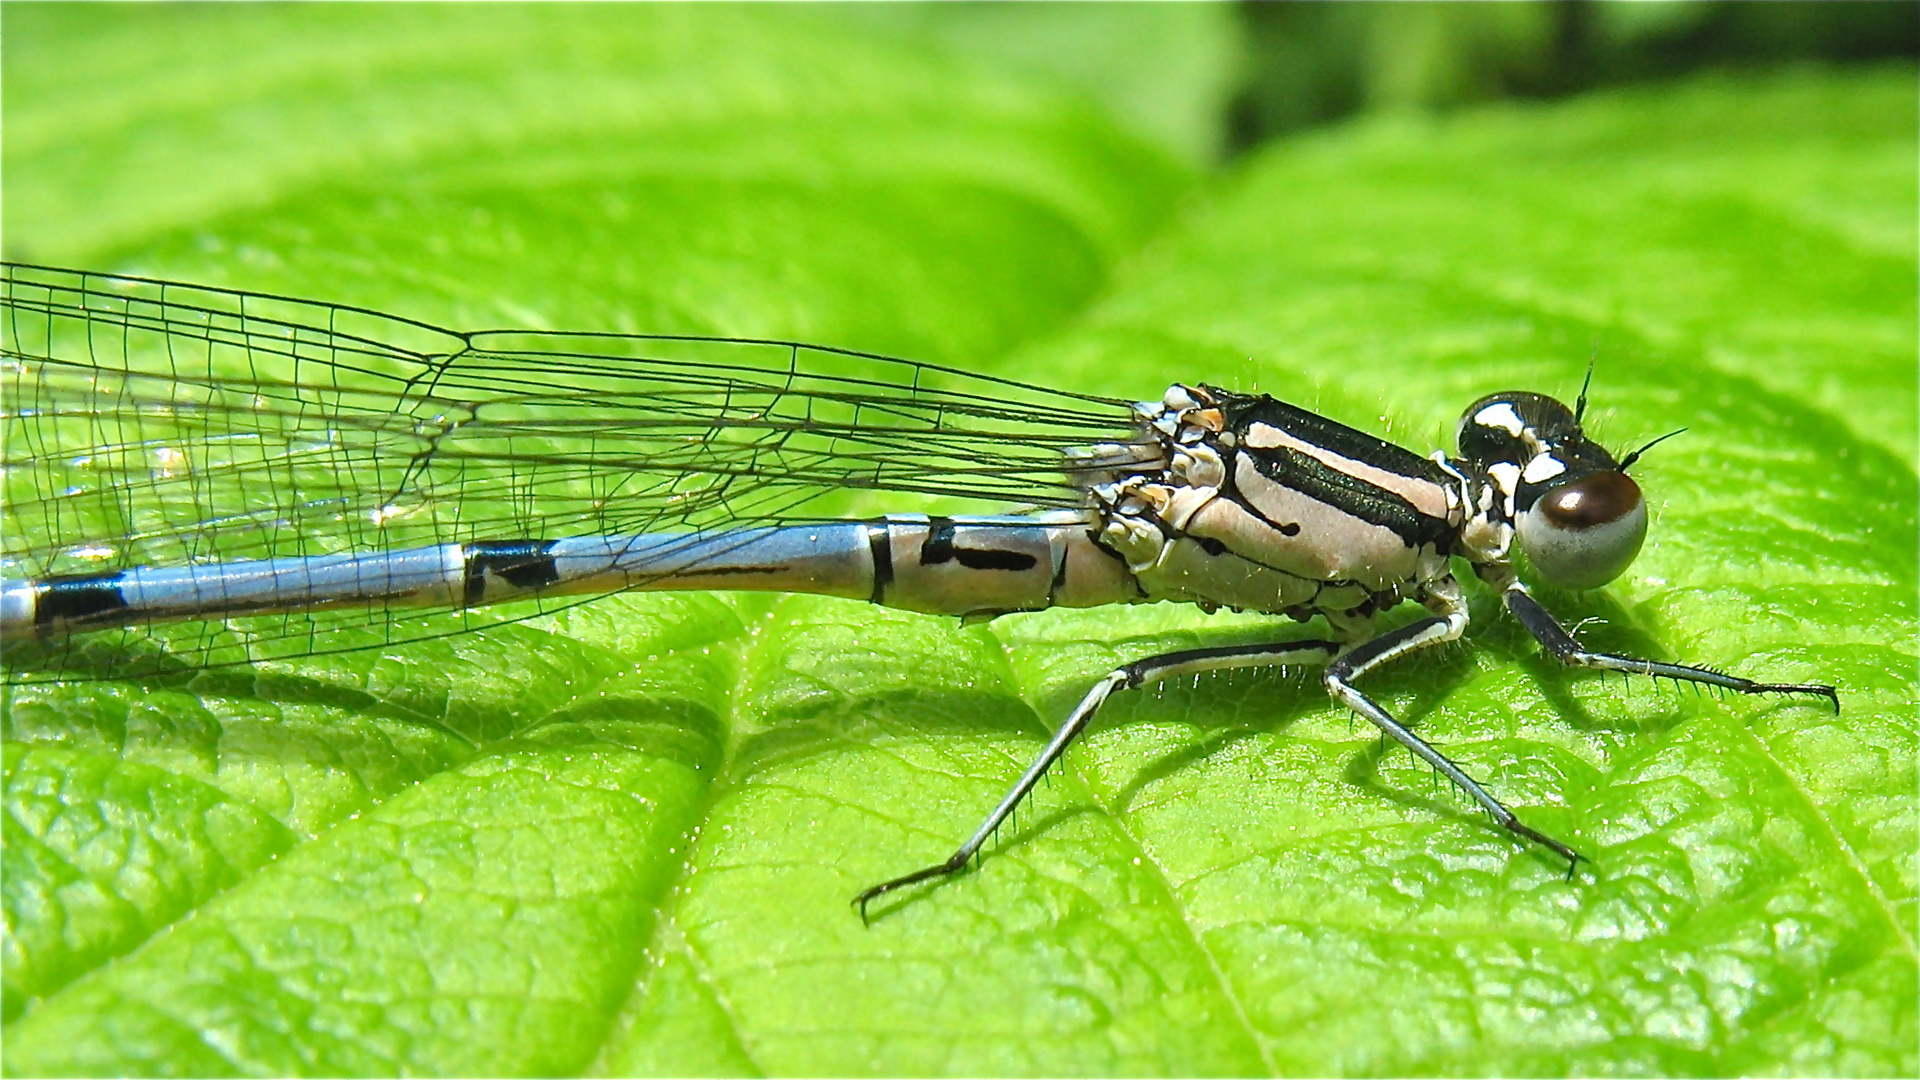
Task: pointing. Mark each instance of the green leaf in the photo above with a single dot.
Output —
(623, 841)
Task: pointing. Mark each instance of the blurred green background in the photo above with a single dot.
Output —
(1209, 82)
(1289, 66)
(1314, 62)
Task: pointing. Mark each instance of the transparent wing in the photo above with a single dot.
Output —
(151, 423)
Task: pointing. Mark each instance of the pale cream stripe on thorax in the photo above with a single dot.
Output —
(1426, 496)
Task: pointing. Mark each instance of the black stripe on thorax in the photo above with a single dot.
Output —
(1344, 492)
(523, 564)
(1245, 411)
(77, 597)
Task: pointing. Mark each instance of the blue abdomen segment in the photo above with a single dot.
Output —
(952, 566)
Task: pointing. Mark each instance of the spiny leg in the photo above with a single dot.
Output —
(1547, 630)
(1391, 646)
(1132, 676)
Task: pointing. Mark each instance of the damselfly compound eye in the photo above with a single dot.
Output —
(1585, 532)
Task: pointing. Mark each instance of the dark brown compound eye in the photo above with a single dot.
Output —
(1585, 532)
(1591, 501)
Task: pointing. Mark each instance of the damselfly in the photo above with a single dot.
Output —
(197, 477)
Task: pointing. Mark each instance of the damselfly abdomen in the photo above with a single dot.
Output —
(198, 477)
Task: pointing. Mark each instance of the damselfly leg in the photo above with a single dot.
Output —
(1132, 676)
(1341, 669)
(1547, 630)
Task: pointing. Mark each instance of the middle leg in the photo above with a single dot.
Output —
(1437, 629)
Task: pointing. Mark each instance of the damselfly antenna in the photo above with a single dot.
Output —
(1580, 403)
(1635, 456)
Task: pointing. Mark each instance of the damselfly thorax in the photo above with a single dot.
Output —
(275, 472)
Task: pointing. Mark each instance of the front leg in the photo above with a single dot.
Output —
(1547, 630)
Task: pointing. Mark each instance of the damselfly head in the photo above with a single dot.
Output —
(1577, 515)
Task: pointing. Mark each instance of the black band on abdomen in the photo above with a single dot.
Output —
(523, 564)
(880, 546)
(78, 598)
